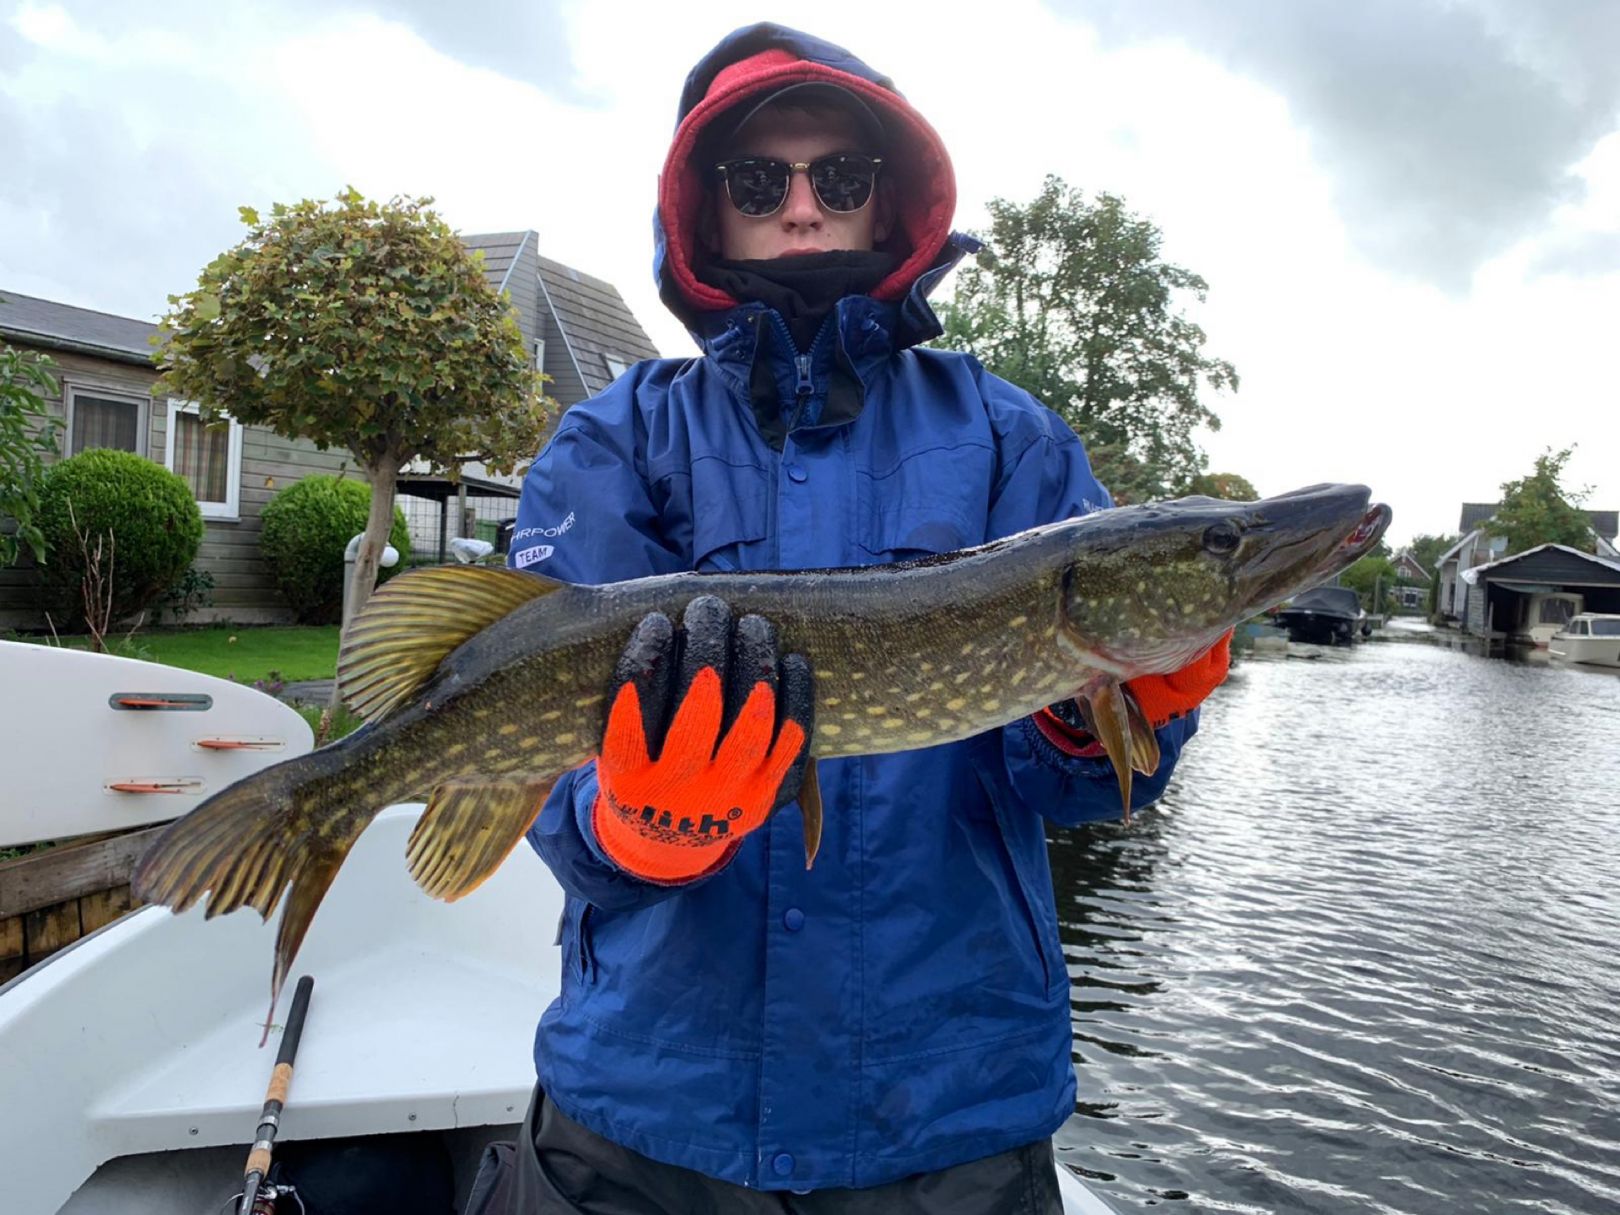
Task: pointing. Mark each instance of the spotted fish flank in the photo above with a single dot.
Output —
(446, 661)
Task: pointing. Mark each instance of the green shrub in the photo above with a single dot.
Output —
(305, 530)
(149, 515)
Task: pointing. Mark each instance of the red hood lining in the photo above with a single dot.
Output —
(917, 154)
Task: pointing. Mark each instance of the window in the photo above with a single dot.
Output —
(105, 418)
(540, 355)
(208, 456)
(1556, 611)
(1606, 628)
(615, 365)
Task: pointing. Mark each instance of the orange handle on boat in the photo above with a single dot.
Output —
(177, 785)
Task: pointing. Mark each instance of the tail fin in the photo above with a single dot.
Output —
(247, 844)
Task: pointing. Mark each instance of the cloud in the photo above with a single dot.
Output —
(1581, 255)
(136, 150)
(521, 39)
(1449, 129)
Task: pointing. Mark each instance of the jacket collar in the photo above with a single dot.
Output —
(750, 348)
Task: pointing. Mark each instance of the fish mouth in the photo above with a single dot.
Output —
(1312, 534)
(1363, 538)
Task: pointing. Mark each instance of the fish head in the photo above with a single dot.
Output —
(1148, 588)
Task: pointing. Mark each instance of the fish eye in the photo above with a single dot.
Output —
(1222, 538)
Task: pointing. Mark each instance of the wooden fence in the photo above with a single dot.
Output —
(50, 899)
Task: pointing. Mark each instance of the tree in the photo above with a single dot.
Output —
(27, 436)
(1538, 510)
(1229, 486)
(1427, 549)
(1071, 301)
(1372, 574)
(363, 326)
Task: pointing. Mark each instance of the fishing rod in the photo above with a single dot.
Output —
(257, 1198)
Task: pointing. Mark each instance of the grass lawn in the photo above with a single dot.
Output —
(239, 652)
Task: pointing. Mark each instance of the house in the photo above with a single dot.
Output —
(1506, 594)
(1409, 569)
(1477, 547)
(578, 329)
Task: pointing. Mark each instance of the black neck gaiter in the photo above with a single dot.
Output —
(802, 289)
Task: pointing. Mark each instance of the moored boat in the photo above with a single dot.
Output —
(1324, 615)
(1591, 638)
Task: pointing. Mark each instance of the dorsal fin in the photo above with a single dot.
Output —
(412, 622)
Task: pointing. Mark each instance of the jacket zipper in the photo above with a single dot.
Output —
(805, 388)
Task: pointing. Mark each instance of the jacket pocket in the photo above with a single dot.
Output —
(576, 941)
(915, 530)
(928, 504)
(723, 525)
(1039, 914)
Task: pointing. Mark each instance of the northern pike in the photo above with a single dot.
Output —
(481, 686)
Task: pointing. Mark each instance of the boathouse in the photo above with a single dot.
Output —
(1503, 594)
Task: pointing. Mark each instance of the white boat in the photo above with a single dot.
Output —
(1592, 638)
(1544, 613)
(133, 1081)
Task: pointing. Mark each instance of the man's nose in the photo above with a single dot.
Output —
(802, 209)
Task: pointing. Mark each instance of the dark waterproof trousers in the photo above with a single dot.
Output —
(557, 1167)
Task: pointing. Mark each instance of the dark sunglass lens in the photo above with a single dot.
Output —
(757, 187)
(843, 183)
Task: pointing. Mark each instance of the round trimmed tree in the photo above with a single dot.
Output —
(364, 326)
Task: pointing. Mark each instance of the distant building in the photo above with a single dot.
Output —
(1527, 596)
(1410, 569)
(578, 330)
(1478, 548)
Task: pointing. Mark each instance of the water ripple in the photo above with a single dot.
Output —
(1363, 957)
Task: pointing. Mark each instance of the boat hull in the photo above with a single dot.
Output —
(1587, 651)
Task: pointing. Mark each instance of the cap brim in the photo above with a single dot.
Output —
(813, 93)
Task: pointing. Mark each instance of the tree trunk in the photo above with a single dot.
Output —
(368, 558)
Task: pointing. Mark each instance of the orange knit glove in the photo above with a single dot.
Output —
(1163, 698)
(674, 805)
(1160, 697)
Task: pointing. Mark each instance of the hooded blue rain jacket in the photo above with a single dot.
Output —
(903, 1006)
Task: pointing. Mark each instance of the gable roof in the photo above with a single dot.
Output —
(1606, 523)
(36, 322)
(1455, 548)
(584, 321)
(1606, 570)
(1406, 555)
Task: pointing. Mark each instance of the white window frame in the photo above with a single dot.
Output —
(143, 411)
(615, 365)
(539, 354)
(230, 508)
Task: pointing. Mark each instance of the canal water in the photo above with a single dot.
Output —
(1365, 954)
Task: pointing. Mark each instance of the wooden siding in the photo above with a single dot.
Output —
(596, 322)
(1555, 567)
(244, 591)
(581, 319)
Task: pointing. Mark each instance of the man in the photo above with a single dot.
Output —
(888, 1031)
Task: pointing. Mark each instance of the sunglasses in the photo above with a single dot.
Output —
(758, 187)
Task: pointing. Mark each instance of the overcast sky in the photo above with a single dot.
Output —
(1408, 211)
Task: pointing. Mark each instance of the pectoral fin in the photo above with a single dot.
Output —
(810, 810)
(1115, 720)
(469, 827)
